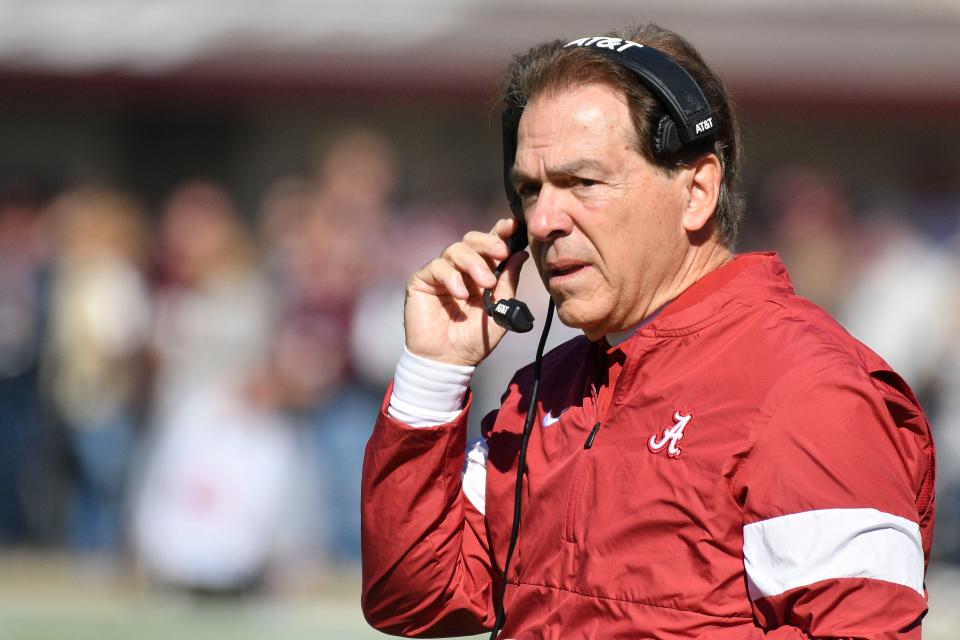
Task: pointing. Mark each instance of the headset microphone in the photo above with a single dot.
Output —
(511, 314)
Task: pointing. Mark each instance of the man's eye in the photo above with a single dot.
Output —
(528, 190)
(585, 182)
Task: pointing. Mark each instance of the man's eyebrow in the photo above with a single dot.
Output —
(575, 167)
(518, 177)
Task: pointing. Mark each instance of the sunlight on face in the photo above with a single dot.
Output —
(605, 225)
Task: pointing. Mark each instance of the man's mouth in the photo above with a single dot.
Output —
(563, 269)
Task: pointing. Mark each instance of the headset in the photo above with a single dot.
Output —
(687, 124)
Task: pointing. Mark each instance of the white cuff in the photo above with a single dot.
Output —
(427, 393)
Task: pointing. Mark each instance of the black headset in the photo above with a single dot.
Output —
(687, 124)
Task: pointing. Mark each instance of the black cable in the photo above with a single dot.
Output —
(521, 467)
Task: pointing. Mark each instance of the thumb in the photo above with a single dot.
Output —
(508, 283)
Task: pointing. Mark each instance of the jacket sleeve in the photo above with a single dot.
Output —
(426, 561)
(837, 494)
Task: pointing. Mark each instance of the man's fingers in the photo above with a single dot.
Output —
(492, 247)
(495, 245)
(439, 276)
(467, 260)
(466, 267)
(512, 233)
(504, 228)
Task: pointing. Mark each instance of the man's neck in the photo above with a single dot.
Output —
(615, 338)
(697, 262)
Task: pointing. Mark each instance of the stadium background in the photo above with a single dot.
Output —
(207, 212)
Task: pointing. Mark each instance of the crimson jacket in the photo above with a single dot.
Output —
(753, 472)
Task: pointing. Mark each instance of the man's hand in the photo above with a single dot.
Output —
(444, 317)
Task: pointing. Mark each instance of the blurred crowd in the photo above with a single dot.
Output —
(191, 387)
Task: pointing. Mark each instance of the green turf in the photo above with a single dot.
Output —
(53, 598)
(44, 597)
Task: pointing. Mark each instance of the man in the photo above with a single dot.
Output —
(714, 458)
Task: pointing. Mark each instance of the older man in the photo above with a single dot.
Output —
(714, 458)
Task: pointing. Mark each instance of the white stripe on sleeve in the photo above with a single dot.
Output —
(475, 474)
(791, 551)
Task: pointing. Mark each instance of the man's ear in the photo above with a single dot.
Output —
(703, 192)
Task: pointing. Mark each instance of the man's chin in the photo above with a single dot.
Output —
(576, 314)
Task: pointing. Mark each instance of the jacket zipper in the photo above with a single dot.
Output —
(576, 482)
(592, 436)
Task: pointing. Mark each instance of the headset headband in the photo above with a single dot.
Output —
(668, 81)
(689, 119)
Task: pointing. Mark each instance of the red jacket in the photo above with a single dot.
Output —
(756, 472)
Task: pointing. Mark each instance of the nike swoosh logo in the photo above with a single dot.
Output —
(550, 419)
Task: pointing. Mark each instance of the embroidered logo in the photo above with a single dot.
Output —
(550, 419)
(670, 437)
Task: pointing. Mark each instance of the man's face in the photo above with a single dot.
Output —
(604, 224)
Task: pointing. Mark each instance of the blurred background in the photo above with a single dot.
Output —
(207, 214)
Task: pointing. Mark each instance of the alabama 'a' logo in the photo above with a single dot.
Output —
(669, 438)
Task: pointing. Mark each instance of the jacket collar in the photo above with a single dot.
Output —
(744, 281)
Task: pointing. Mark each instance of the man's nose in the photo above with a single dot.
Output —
(549, 217)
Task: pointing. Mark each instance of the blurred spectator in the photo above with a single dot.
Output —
(903, 304)
(314, 296)
(814, 231)
(23, 293)
(212, 501)
(946, 423)
(213, 309)
(93, 361)
(327, 248)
